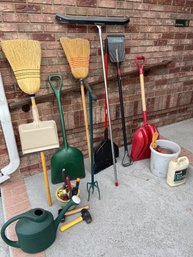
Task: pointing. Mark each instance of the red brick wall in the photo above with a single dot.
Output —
(151, 32)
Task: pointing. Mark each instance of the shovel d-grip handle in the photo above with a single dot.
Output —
(140, 62)
(57, 93)
(55, 77)
(140, 65)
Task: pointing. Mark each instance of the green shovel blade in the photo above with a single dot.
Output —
(71, 159)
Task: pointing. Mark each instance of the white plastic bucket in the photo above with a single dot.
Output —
(159, 162)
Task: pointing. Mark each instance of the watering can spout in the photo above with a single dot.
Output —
(74, 201)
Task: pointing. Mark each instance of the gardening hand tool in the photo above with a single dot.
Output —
(77, 52)
(24, 57)
(102, 154)
(98, 22)
(67, 157)
(116, 49)
(6, 124)
(154, 139)
(68, 183)
(85, 215)
(91, 185)
(36, 228)
(64, 178)
(75, 189)
(143, 136)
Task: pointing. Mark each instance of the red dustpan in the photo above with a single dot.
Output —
(143, 136)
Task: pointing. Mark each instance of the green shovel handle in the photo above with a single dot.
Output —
(57, 93)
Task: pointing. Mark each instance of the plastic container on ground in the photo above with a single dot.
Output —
(177, 171)
(159, 162)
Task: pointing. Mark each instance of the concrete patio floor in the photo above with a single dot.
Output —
(143, 217)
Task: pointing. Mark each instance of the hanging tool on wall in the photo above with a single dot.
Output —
(116, 49)
(24, 57)
(98, 22)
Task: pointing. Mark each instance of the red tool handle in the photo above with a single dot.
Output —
(140, 65)
(68, 183)
(106, 57)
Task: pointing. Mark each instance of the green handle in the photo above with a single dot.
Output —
(57, 93)
(16, 244)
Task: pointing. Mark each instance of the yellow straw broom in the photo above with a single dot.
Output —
(77, 52)
(24, 57)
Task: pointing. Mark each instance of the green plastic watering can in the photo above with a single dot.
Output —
(36, 229)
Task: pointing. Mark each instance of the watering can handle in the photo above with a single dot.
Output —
(8, 241)
(140, 65)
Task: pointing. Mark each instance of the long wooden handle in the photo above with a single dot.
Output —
(142, 92)
(46, 181)
(85, 119)
(68, 213)
(70, 224)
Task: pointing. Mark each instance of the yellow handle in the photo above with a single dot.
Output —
(70, 224)
(85, 120)
(46, 181)
(155, 137)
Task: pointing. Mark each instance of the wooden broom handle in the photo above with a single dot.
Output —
(85, 118)
(34, 108)
(142, 93)
(68, 213)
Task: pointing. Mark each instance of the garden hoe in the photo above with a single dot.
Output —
(24, 57)
(98, 22)
(143, 136)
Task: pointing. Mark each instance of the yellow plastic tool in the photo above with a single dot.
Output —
(154, 139)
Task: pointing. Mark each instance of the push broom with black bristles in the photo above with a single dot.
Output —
(24, 57)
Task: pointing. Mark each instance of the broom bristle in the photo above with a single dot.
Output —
(24, 57)
(77, 52)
